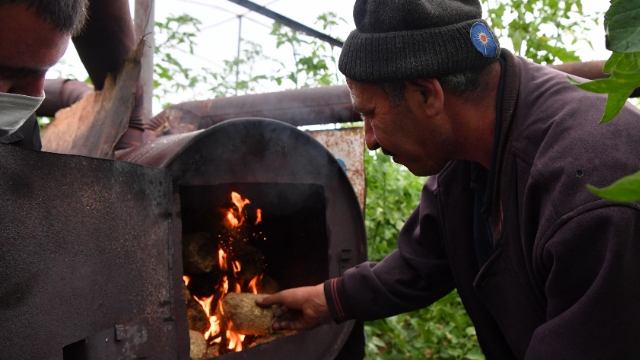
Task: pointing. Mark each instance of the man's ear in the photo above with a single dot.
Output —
(428, 94)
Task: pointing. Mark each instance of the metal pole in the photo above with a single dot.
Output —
(288, 22)
(238, 57)
(145, 24)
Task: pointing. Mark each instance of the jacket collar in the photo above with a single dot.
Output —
(509, 102)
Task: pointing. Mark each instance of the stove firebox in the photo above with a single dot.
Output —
(292, 234)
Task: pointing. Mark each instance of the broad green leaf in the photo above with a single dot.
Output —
(630, 80)
(626, 189)
(618, 82)
(622, 62)
(615, 103)
(600, 86)
(619, 86)
(621, 24)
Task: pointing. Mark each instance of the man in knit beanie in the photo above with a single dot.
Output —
(545, 269)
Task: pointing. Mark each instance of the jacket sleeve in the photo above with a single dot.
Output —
(412, 277)
(592, 264)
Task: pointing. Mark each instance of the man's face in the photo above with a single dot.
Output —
(421, 143)
(29, 46)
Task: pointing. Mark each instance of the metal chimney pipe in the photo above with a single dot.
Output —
(145, 25)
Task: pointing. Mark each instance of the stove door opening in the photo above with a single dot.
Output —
(249, 238)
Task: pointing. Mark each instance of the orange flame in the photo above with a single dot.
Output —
(186, 280)
(238, 201)
(213, 320)
(206, 303)
(258, 216)
(222, 259)
(252, 284)
(235, 340)
(236, 267)
(232, 219)
(225, 285)
(215, 327)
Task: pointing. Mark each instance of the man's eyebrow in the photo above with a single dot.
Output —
(21, 71)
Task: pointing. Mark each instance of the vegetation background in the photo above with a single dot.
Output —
(545, 31)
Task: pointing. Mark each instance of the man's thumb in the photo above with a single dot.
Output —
(268, 300)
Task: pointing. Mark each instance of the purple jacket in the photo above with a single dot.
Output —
(564, 282)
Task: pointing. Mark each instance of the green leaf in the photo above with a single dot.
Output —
(600, 86)
(615, 103)
(626, 189)
(622, 62)
(619, 86)
(621, 24)
(618, 82)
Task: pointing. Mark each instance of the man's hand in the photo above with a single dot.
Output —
(300, 308)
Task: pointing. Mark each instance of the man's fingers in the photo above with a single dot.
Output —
(294, 324)
(290, 298)
(280, 325)
(280, 312)
(269, 300)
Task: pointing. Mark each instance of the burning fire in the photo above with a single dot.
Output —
(222, 259)
(220, 331)
(258, 216)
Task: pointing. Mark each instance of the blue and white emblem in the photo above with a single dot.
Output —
(483, 40)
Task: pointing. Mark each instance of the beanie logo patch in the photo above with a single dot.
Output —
(483, 40)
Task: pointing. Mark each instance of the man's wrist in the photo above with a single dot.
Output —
(335, 296)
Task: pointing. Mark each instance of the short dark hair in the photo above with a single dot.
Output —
(461, 84)
(68, 16)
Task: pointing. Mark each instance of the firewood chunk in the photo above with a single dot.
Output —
(197, 317)
(198, 345)
(245, 316)
(199, 253)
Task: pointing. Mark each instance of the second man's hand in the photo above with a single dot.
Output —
(299, 308)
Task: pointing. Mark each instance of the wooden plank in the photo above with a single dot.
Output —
(93, 126)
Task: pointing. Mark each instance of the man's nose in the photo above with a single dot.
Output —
(369, 136)
(31, 85)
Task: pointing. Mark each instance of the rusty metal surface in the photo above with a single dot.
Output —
(124, 341)
(347, 145)
(267, 151)
(145, 25)
(158, 152)
(86, 246)
(323, 105)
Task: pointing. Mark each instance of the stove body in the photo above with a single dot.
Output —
(91, 263)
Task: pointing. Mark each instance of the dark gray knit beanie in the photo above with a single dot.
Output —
(398, 40)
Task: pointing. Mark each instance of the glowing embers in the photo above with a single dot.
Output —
(221, 262)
